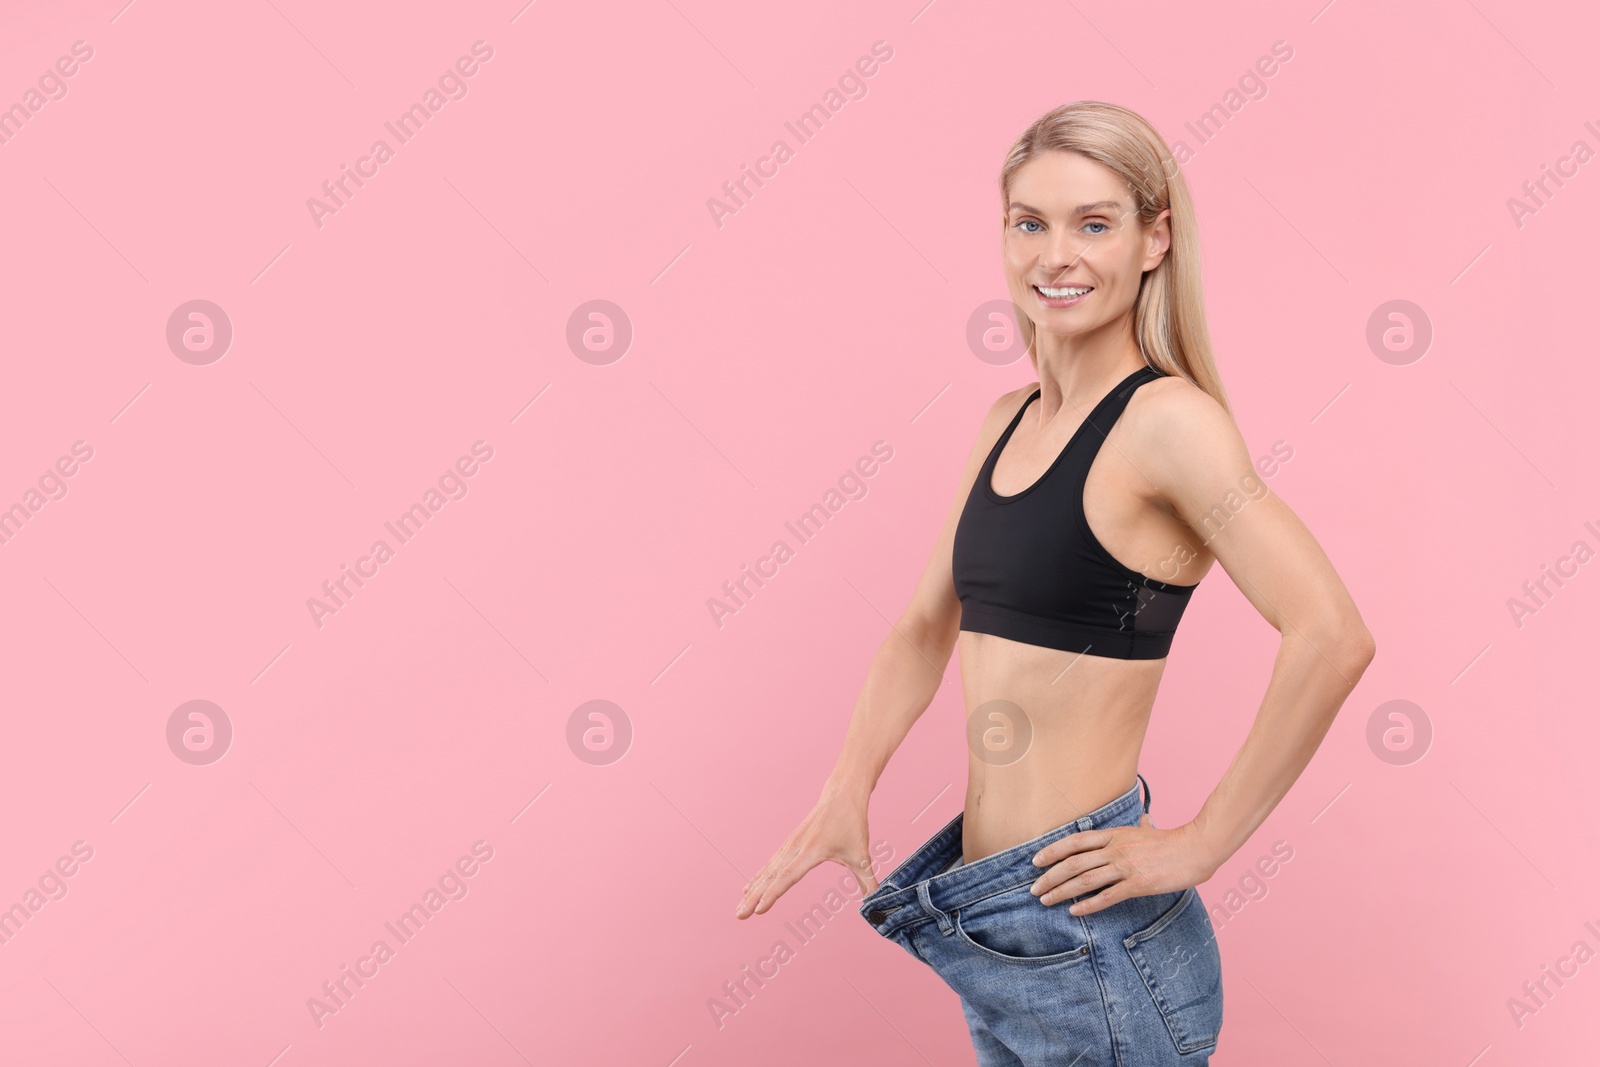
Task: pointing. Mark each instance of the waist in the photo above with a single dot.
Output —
(1048, 735)
(1005, 806)
(950, 887)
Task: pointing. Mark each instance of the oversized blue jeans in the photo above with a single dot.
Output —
(1138, 984)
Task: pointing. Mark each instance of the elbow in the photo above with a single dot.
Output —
(1357, 647)
(934, 636)
(1348, 644)
(1366, 648)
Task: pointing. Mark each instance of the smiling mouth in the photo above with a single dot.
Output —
(1064, 292)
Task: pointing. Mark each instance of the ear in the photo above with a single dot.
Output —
(1160, 233)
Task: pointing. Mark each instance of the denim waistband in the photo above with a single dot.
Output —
(922, 888)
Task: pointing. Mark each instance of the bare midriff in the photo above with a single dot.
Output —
(1051, 736)
(1084, 715)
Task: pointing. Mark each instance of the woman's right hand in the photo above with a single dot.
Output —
(835, 830)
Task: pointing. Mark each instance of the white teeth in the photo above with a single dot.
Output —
(1058, 294)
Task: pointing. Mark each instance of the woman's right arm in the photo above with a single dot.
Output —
(901, 683)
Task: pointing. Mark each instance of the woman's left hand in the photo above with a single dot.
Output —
(1121, 862)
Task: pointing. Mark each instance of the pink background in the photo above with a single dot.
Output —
(431, 312)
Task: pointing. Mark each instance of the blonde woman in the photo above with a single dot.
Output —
(1092, 504)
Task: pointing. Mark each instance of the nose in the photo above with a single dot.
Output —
(1062, 250)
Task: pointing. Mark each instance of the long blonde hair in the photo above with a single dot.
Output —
(1169, 312)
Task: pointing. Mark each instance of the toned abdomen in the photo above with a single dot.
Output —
(1051, 736)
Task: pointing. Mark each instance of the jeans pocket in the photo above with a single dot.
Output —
(1015, 927)
(1178, 959)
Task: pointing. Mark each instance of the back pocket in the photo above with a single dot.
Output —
(1178, 959)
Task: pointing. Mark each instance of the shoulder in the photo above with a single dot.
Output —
(995, 420)
(1180, 437)
(1008, 403)
(1002, 410)
(1172, 412)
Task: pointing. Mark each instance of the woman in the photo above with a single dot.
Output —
(1092, 504)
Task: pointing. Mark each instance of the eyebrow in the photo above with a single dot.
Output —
(1112, 206)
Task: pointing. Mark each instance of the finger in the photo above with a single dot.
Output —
(1068, 869)
(749, 887)
(757, 886)
(1101, 900)
(1095, 878)
(751, 894)
(779, 860)
(781, 881)
(776, 886)
(1060, 849)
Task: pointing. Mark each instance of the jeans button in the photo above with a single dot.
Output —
(876, 916)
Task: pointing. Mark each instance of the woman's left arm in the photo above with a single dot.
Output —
(1189, 450)
(1198, 464)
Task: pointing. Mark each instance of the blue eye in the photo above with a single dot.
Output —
(1028, 222)
(1105, 228)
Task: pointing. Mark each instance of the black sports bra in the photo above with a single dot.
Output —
(1028, 568)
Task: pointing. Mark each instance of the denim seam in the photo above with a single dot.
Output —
(1161, 923)
(940, 916)
(1100, 982)
(998, 892)
(1184, 1044)
(908, 923)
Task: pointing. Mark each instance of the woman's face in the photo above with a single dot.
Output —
(1071, 225)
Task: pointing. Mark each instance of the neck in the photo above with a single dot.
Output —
(1077, 370)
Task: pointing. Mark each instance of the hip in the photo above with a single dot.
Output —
(1137, 982)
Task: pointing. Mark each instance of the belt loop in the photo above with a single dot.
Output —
(1146, 785)
(945, 925)
(1085, 823)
